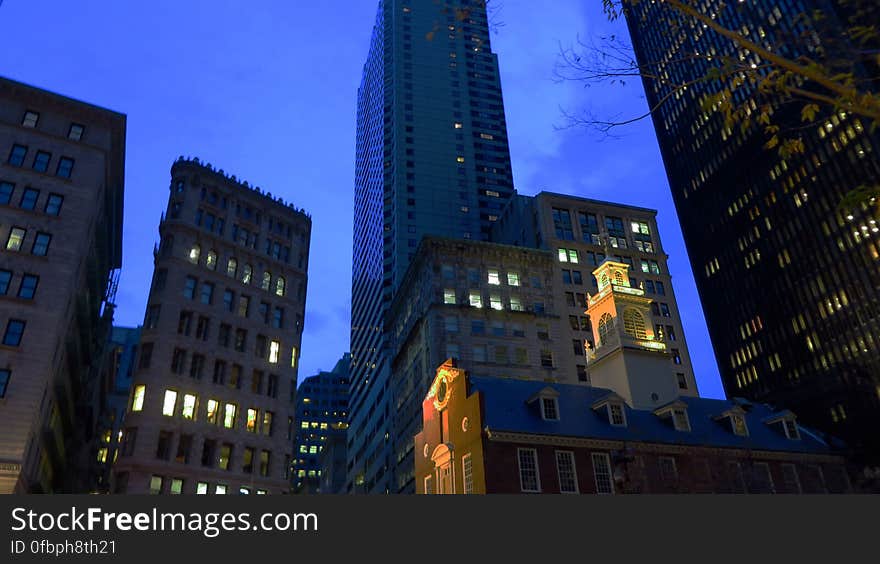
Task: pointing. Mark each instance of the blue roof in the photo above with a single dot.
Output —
(506, 408)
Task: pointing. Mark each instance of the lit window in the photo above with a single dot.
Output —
(251, 424)
(194, 254)
(494, 278)
(155, 485)
(202, 488)
(267, 281)
(176, 486)
(513, 278)
(30, 119)
(280, 286)
(169, 402)
(293, 358)
(16, 238)
(563, 255)
(739, 425)
(572, 255)
(495, 301)
(229, 415)
(213, 408)
(220, 489)
(247, 274)
(274, 351)
(458, 125)
(211, 261)
(515, 304)
(231, 267)
(137, 400)
(475, 299)
(189, 406)
(76, 132)
(449, 296)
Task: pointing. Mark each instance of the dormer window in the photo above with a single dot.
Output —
(616, 414)
(791, 429)
(549, 409)
(738, 424)
(680, 419)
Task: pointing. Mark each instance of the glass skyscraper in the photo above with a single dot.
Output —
(431, 159)
(790, 284)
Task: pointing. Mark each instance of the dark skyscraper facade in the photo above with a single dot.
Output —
(790, 285)
(431, 159)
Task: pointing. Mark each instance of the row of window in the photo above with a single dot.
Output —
(39, 246)
(225, 414)
(32, 118)
(175, 487)
(27, 286)
(494, 276)
(29, 198)
(279, 287)
(475, 299)
(18, 155)
(479, 353)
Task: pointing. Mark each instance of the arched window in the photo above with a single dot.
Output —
(603, 280)
(618, 279)
(606, 324)
(634, 324)
(267, 280)
(231, 267)
(194, 253)
(247, 274)
(280, 286)
(211, 261)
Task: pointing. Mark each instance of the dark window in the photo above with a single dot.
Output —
(228, 300)
(207, 293)
(129, 438)
(14, 332)
(41, 161)
(29, 199)
(660, 289)
(682, 381)
(664, 310)
(581, 373)
(178, 360)
(5, 277)
(219, 372)
(53, 204)
(41, 244)
(6, 189)
(16, 156)
(223, 335)
(189, 290)
(278, 318)
(183, 448)
(576, 277)
(240, 339)
(76, 132)
(5, 375)
(257, 382)
(28, 287)
(163, 448)
(65, 167)
(208, 452)
(272, 388)
(146, 355)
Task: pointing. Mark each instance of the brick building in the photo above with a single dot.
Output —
(61, 196)
(491, 435)
(211, 409)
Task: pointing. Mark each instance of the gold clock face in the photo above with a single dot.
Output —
(442, 391)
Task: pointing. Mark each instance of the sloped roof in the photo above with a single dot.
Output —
(506, 409)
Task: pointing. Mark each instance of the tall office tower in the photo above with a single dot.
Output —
(580, 232)
(790, 286)
(497, 309)
(432, 159)
(211, 409)
(321, 414)
(61, 187)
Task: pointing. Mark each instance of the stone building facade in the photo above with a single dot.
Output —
(62, 170)
(211, 409)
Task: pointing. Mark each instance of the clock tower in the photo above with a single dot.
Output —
(628, 357)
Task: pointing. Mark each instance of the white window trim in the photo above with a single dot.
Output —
(544, 413)
(797, 432)
(674, 476)
(439, 477)
(610, 416)
(769, 475)
(570, 454)
(687, 421)
(607, 459)
(534, 454)
(733, 424)
(464, 474)
(429, 480)
(797, 478)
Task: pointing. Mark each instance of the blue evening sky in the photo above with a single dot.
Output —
(266, 90)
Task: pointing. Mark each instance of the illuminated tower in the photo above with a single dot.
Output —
(628, 357)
